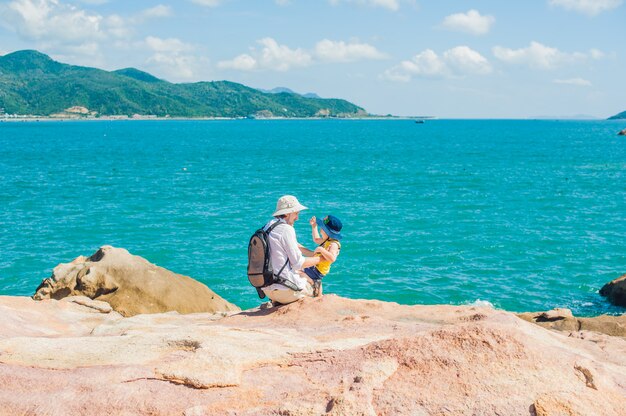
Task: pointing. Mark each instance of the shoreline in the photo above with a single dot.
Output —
(425, 119)
(606, 299)
(113, 118)
(480, 304)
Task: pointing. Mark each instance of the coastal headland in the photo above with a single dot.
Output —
(73, 353)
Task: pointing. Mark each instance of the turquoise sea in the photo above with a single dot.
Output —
(526, 215)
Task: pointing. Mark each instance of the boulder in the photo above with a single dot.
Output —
(615, 291)
(130, 284)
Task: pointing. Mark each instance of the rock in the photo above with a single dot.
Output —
(102, 307)
(556, 314)
(558, 319)
(622, 133)
(326, 355)
(130, 284)
(563, 320)
(615, 291)
(605, 324)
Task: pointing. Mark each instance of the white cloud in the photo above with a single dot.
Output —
(243, 62)
(471, 22)
(157, 11)
(458, 61)
(94, 2)
(588, 7)
(170, 45)
(51, 20)
(574, 81)
(271, 57)
(280, 57)
(87, 54)
(596, 54)
(118, 26)
(392, 5)
(207, 3)
(426, 63)
(339, 51)
(465, 60)
(178, 67)
(64, 30)
(538, 56)
(172, 57)
(88, 49)
(276, 57)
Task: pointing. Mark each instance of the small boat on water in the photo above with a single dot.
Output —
(419, 121)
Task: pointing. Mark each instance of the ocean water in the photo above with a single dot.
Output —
(526, 215)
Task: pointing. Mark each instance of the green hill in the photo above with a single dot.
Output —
(34, 84)
(619, 116)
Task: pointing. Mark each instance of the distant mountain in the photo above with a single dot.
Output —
(279, 90)
(619, 116)
(33, 83)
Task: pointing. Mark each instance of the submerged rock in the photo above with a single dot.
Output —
(615, 291)
(130, 284)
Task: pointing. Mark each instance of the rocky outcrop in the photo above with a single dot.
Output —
(615, 291)
(325, 355)
(563, 320)
(77, 110)
(130, 284)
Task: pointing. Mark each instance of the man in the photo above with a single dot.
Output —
(287, 255)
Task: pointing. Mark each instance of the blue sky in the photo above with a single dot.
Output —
(445, 58)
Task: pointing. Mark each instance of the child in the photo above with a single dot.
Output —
(328, 249)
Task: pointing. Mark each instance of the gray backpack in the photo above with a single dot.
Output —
(260, 272)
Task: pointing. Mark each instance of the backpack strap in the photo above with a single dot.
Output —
(269, 230)
(283, 281)
(271, 227)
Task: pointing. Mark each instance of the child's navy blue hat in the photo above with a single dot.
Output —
(331, 226)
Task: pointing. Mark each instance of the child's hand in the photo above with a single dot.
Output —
(319, 249)
(313, 222)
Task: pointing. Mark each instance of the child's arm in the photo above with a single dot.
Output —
(314, 233)
(330, 254)
(305, 251)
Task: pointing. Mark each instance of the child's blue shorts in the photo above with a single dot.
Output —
(313, 273)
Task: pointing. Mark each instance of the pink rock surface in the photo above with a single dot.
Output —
(327, 355)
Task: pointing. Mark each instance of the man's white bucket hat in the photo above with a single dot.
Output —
(287, 204)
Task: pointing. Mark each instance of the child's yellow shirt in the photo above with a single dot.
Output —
(324, 265)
